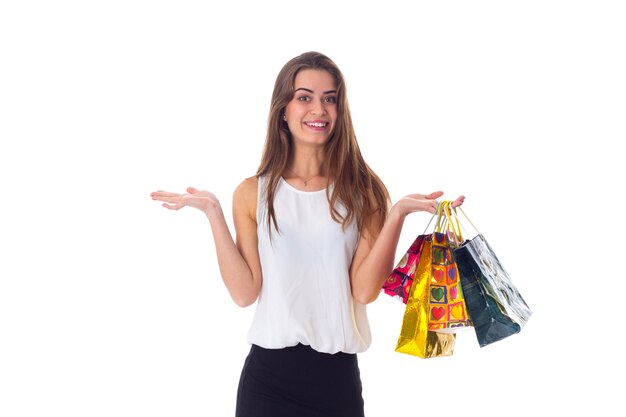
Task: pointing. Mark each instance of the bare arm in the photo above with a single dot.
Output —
(238, 261)
(374, 258)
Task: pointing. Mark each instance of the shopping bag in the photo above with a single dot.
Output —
(495, 306)
(446, 303)
(398, 284)
(415, 338)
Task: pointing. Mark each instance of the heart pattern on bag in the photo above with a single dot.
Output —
(447, 306)
(454, 292)
(457, 312)
(437, 293)
(437, 313)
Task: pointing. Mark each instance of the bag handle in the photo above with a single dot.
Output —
(453, 221)
(465, 215)
(435, 214)
(441, 218)
(446, 221)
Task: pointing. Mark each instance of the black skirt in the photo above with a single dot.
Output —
(299, 382)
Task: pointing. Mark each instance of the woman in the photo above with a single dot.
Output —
(315, 240)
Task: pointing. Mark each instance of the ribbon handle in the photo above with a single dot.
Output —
(468, 219)
(447, 222)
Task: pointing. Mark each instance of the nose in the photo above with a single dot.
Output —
(318, 107)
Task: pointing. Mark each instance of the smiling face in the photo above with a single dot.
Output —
(312, 112)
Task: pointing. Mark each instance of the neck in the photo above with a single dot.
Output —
(306, 169)
(306, 162)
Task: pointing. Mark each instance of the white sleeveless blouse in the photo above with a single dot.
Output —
(306, 296)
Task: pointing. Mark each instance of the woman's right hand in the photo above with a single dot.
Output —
(201, 200)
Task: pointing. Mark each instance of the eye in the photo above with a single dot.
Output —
(303, 98)
(330, 99)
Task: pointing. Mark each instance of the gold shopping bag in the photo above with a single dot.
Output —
(415, 338)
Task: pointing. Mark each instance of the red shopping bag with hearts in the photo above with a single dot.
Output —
(398, 284)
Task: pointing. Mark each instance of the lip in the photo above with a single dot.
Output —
(318, 124)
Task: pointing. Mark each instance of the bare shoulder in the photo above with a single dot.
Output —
(245, 196)
(247, 188)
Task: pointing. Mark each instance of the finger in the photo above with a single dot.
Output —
(460, 200)
(191, 190)
(171, 206)
(419, 196)
(434, 195)
(173, 200)
(163, 194)
(416, 196)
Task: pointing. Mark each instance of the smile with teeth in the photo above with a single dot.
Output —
(316, 124)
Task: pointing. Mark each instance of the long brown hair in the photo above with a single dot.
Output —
(356, 186)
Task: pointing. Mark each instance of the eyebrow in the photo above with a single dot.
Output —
(311, 91)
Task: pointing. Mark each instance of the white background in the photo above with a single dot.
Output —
(113, 306)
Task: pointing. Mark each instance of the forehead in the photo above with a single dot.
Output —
(314, 79)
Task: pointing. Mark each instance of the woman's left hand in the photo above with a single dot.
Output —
(420, 202)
